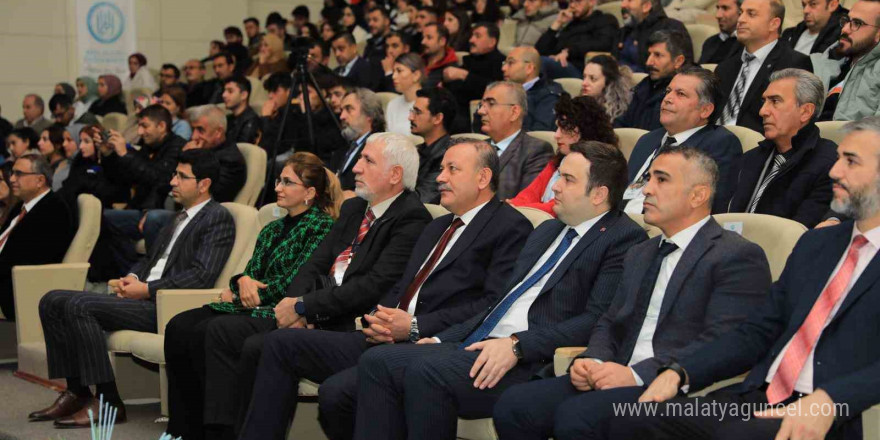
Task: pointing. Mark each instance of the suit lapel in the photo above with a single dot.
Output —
(365, 246)
(866, 280)
(592, 234)
(698, 247)
(178, 244)
(509, 152)
(469, 235)
(762, 78)
(535, 251)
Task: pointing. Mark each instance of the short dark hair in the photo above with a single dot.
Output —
(301, 11)
(253, 20)
(142, 60)
(173, 68)
(441, 101)
(204, 164)
(677, 43)
(382, 10)
(243, 84)
(347, 36)
(488, 158)
(228, 56)
(277, 80)
(233, 30)
(607, 168)
(709, 90)
(705, 162)
(39, 165)
(157, 114)
(60, 99)
(276, 19)
(404, 38)
(442, 32)
(27, 134)
(323, 45)
(429, 9)
(491, 29)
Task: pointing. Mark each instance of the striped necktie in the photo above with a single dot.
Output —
(17, 222)
(778, 162)
(734, 101)
(345, 257)
(670, 141)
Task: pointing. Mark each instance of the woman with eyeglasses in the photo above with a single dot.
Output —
(86, 175)
(407, 76)
(311, 195)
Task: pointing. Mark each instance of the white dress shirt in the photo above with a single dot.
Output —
(804, 382)
(760, 55)
(805, 43)
(529, 84)
(157, 270)
(28, 207)
(466, 219)
(378, 210)
(349, 66)
(504, 143)
(348, 159)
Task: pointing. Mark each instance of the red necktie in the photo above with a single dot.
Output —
(429, 265)
(17, 222)
(782, 384)
(348, 254)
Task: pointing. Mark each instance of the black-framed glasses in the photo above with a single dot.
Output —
(287, 183)
(854, 23)
(489, 103)
(182, 176)
(19, 174)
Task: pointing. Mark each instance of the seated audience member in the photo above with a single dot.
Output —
(481, 67)
(329, 30)
(787, 174)
(300, 16)
(743, 79)
(243, 123)
(409, 71)
(7, 199)
(535, 17)
(431, 118)
(679, 292)
(209, 132)
(224, 68)
(140, 101)
(792, 357)
(174, 100)
(109, 97)
(724, 44)
(577, 30)
(66, 89)
(64, 114)
(563, 281)
(502, 111)
(458, 23)
(33, 107)
(86, 174)
(353, 66)
(668, 53)
(191, 255)
(37, 230)
(396, 44)
(311, 198)
(234, 45)
(169, 76)
(488, 11)
(215, 47)
(858, 97)
(688, 116)
(609, 84)
(277, 25)
(337, 90)
(456, 270)
(22, 141)
(362, 115)
(51, 146)
(86, 95)
(819, 29)
(577, 119)
(645, 18)
(139, 76)
(252, 29)
(270, 59)
(379, 22)
(523, 66)
(437, 53)
(198, 91)
(350, 24)
(69, 148)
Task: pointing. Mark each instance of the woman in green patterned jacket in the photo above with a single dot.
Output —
(311, 195)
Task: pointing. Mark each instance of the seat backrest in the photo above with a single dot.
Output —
(477, 136)
(546, 136)
(776, 235)
(83, 243)
(385, 98)
(572, 86)
(747, 137)
(612, 8)
(255, 163)
(831, 130)
(416, 140)
(115, 121)
(472, 108)
(638, 77)
(710, 67)
(699, 34)
(436, 210)
(269, 213)
(652, 231)
(628, 138)
(459, 56)
(536, 216)
(258, 95)
(507, 34)
(246, 230)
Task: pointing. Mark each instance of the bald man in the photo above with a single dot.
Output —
(523, 66)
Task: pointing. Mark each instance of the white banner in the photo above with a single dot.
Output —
(106, 36)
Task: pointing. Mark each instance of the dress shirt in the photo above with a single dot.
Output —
(349, 66)
(804, 382)
(157, 270)
(760, 55)
(548, 190)
(28, 207)
(724, 37)
(360, 144)
(378, 210)
(529, 84)
(504, 143)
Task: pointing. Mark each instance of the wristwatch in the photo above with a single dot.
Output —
(414, 330)
(517, 350)
(678, 369)
(300, 307)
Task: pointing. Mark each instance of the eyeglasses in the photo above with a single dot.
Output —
(182, 176)
(287, 183)
(512, 61)
(415, 111)
(854, 23)
(18, 173)
(489, 103)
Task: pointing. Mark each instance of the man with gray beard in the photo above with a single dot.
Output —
(362, 114)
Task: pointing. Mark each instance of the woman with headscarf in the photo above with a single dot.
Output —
(271, 58)
(140, 77)
(86, 95)
(86, 175)
(109, 96)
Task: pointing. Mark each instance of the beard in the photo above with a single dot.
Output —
(364, 193)
(862, 203)
(349, 133)
(856, 48)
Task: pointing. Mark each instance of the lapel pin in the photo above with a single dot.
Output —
(602, 230)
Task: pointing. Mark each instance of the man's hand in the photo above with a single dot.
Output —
(133, 289)
(495, 360)
(193, 145)
(118, 143)
(561, 58)
(424, 341)
(226, 296)
(396, 322)
(608, 375)
(377, 333)
(116, 285)
(454, 74)
(388, 64)
(142, 222)
(580, 374)
(563, 18)
(286, 316)
(663, 388)
(268, 109)
(248, 291)
(798, 419)
(829, 222)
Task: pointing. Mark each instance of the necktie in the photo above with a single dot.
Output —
(345, 257)
(501, 309)
(17, 222)
(670, 141)
(734, 101)
(429, 265)
(778, 162)
(782, 384)
(348, 155)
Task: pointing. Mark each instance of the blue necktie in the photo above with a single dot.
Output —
(501, 309)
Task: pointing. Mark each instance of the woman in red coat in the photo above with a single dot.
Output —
(581, 118)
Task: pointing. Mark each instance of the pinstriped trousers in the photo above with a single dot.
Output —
(74, 324)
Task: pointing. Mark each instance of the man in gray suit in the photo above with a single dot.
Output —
(678, 291)
(503, 108)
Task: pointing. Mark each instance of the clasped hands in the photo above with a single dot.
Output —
(587, 374)
(129, 287)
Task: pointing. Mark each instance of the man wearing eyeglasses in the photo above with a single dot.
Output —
(169, 76)
(38, 229)
(860, 33)
(523, 66)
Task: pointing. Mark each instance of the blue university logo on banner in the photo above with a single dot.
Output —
(105, 22)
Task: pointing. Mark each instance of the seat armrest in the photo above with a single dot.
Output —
(30, 283)
(563, 357)
(171, 302)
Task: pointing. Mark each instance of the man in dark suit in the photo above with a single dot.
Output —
(744, 77)
(787, 174)
(362, 115)
(502, 112)
(353, 66)
(39, 227)
(456, 270)
(431, 118)
(679, 291)
(579, 29)
(209, 133)
(523, 66)
(819, 29)
(645, 18)
(191, 253)
(724, 44)
(810, 346)
(479, 69)
(379, 22)
(563, 281)
(688, 115)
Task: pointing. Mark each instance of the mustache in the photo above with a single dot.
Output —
(443, 187)
(838, 183)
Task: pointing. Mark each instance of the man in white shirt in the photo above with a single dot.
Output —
(819, 29)
(679, 290)
(563, 281)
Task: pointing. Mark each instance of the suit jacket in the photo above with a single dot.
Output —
(376, 266)
(716, 141)
(638, 35)
(472, 274)
(596, 32)
(364, 74)
(430, 159)
(846, 363)
(147, 171)
(521, 162)
(715, 51)
(233, 172)
(42, 237)
(337, 162)
(802, 189)
(720, 279)
(198, 255)
(781, 57)
(542, 99)
(575, 295)
(644, 110)
(829, 34)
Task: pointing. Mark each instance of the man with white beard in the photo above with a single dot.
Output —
(362, 114)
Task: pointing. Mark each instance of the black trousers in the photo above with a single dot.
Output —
(419, 391)
(74, 324)
(205, 353)
(288, 356)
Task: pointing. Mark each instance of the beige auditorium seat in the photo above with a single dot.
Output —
(258, 95)
(360, 47)
(436, 210)
(385, 98)
(269, 213)
(507, 35)
(459, 56)
(472, 108)
(612, 8)
(572, 86)
(115, 121)
(628, 138)
(652, 231)
(255, 162)
(747, 137)
(699, 34)
(416, 140)
(477, 136)
(776, 235)
(638, 77)
(536, 216)
(546, 136)
(30, 283)
(709, 67)
(831, 130)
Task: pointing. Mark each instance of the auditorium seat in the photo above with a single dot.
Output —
(652, 231)
(536, 216)
(776, 235)
(628, 138)
(507, 35)
(546, 136)
(747, 137)
(386, 97)
(472, 107)
(709, 67)
(459, 55)
(831, 130)
(258, 95)
(572, 86)
(699, 34)
(416, 139)
(638, 77)
(612, 8)
(436, 210)
(255, 162)
(115, 121)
